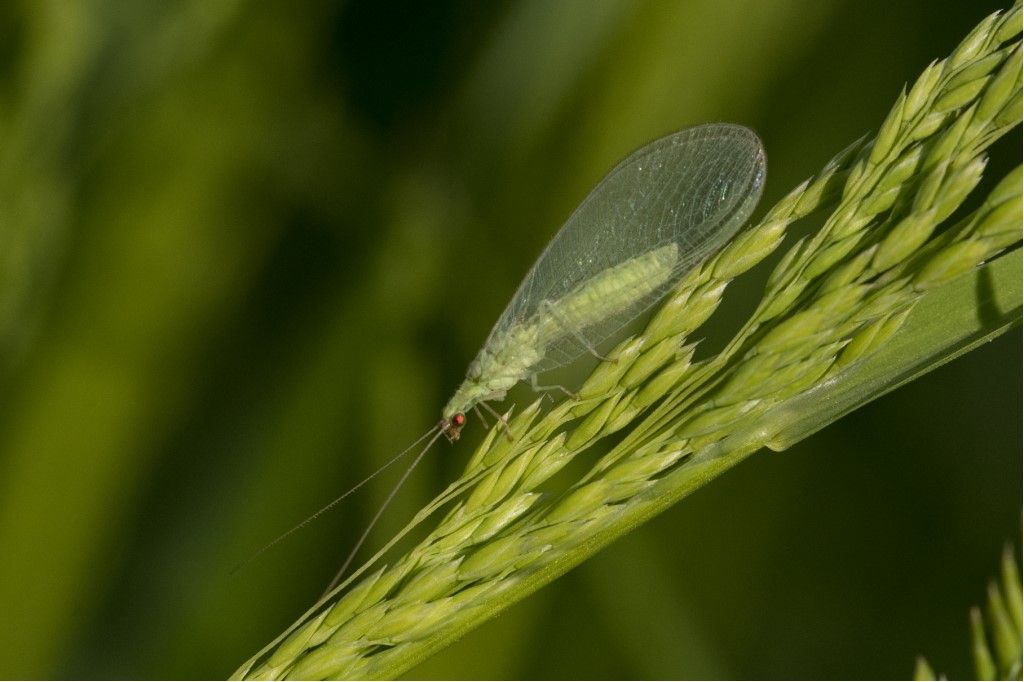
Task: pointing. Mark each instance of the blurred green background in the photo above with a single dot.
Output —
(248, 248)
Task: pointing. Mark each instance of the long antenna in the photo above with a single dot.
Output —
(331, 505)
(380, 512)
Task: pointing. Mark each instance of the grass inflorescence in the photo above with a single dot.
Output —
(996, 630)
(833, 299)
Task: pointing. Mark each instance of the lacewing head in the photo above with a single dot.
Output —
(452, 428)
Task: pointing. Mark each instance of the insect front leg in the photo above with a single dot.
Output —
(487, 425)
(500, 417)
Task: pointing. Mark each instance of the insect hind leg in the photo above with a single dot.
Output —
(546, 390)
(570, 329)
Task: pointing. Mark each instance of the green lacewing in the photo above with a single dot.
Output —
(658, 214)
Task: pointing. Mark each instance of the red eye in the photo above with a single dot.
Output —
(459, 419)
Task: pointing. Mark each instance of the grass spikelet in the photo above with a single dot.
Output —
(996, 633)
(984, 664)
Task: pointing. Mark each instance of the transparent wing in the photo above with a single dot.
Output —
(694, 188)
